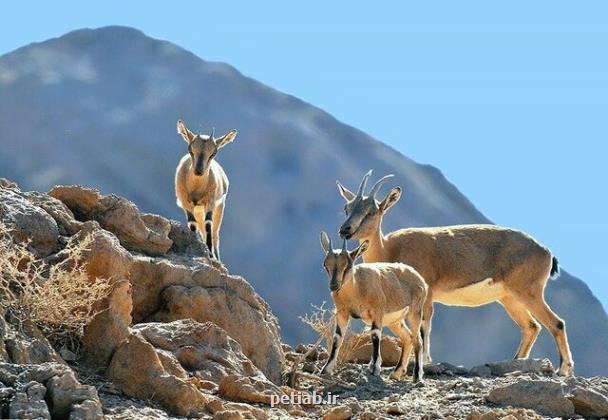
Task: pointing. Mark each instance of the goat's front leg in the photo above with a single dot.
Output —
(376, 362)
(190, 220)
(208, 233)
(204, 222)
(341, 327)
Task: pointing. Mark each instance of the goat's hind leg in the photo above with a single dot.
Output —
(557, 327)
(405, 335)
(529, 327)
(375, 363)
(414, 319)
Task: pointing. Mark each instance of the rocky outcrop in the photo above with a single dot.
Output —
(170, 277)
(175, 328)
(47, 390)
(23, 343)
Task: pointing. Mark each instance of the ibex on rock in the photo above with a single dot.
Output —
(201, 185)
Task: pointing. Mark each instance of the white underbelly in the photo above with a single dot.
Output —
(476, 294)
(390, 318)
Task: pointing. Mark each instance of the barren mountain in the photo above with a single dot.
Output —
(98, 108)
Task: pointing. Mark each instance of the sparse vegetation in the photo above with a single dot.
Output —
(60, 299)
(322, 320)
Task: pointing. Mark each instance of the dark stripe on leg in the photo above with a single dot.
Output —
(376, 344)
(208, 223)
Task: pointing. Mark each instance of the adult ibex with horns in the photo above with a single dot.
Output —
(467, 265)
(201, 185)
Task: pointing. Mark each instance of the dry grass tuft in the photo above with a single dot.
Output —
(322, 320)
(60, 299)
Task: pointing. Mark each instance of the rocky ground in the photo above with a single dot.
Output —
(179, 336)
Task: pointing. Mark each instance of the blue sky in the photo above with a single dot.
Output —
(508, 99)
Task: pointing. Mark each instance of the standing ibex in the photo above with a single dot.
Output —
(468, 265)
(201, 185)
(381, 294)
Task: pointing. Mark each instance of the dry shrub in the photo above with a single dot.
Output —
(60, 299)
(322, 320)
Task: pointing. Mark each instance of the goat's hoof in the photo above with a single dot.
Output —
(418, 382)
(567, 370)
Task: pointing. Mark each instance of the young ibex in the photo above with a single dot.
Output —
(380, 294)
(201, 185)
(468, 265)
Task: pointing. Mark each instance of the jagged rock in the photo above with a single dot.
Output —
(546, 397)
(29, 403)
(539, 366)
(443, 368)
(227, 301)
(65, 392)
(144, 233)
(248, 389)
(33, 386)
(221, 408)
(341, 412)
(28, 222)
(504, 414)
(109, 327)
(23, 343)
(588, 402)
(396, 409)
(137, 369)
(172, 286)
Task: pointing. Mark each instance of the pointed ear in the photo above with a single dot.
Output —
(356, 253)
(344, 192)
(393, 196)
(325, 242)
(187, 135)
(225, 139)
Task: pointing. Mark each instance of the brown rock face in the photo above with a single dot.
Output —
(144, 233)
(172, 281)
(546, 397)
(139, 371)
(173, 363)
(159, 271)
(48, 390)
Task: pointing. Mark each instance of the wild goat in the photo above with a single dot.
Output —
(381, 294)
(468, 265)
(201, 185)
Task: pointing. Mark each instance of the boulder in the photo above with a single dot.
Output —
(23, 343)
(589, 402)
(46, 390)
(546, 397)
(28, 222)
(232, 304)
(504, 367)
(142, 233)
(138, 370)
(109, 327)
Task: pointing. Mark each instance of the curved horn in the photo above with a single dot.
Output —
(212, 135)
(363, 183)
(378, 185)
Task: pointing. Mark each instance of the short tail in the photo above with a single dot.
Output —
(554, 269)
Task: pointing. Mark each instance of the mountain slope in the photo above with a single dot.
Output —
(98, 108)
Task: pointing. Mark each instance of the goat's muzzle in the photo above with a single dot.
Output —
(346, 232)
